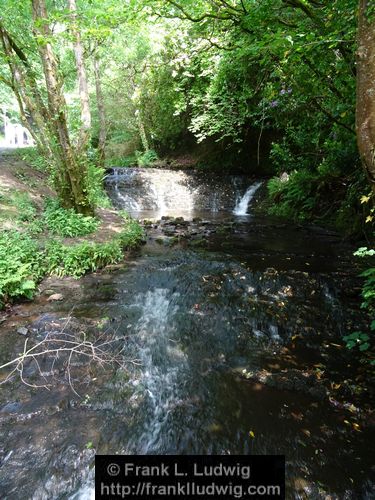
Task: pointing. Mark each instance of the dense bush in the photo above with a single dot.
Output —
(320, 195)
(294, 197)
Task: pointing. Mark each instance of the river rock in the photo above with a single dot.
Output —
(55, 297)
(22, 331)
(169, 231)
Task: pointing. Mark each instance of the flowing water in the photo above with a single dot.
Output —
(226, 348)
(242, 204)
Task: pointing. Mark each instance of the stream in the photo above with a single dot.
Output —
(228, 324)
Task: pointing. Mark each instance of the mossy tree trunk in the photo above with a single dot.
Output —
(365, 115)
(48, 119)
(73, 192)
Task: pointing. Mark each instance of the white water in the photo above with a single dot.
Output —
(242, 204)
(176, 192)
(161, 361)
(126, 201)
(158, 190)
(86, 492)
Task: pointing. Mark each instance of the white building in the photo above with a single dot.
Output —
(15, 135)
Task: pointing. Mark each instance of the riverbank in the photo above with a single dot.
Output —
(38, 237)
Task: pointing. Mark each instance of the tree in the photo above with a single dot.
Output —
(82, 80)
(44, 110)
(365, 116)
(101, 111)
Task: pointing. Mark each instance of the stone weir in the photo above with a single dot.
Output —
(151, 192)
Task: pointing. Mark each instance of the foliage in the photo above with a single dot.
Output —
(178, 73)
(361, 339)
(132, 235)
(368, 291)
(20, 266)
(24, 261)
(357, 339)
(147, 158)
(77, 260)
(33, 158)
(66, 222)
(325, 194)
(294, 197)
(97, 195)
(25, 207)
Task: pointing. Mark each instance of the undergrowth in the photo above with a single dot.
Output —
(67, 222)
(33, 158)
(21, 200)
(79, 259)
(95, 174)
(26, 208)
(21, 266)
(146, 158)
(24, 260)
(37, 249)
(320, 196)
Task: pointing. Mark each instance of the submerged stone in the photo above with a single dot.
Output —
(22, 331)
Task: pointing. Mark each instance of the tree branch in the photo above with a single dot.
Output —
(189, 17)
(316, 103)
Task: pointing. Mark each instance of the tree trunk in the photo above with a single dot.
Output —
(74, 192)
(365, 113)
(25, 88)
(142, 131)
(101, 113)
(82, 80)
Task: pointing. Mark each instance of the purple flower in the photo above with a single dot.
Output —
(282, 92)
(274, 104)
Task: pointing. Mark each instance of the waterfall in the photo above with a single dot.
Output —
(242, 204)
(156, 192)
(124, 201)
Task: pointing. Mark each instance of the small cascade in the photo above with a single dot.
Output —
(123, 200)
(161, 360)
(155, 192)
(242, 204)
(158, 191)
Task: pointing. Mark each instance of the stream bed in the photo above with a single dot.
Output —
(228, 336)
